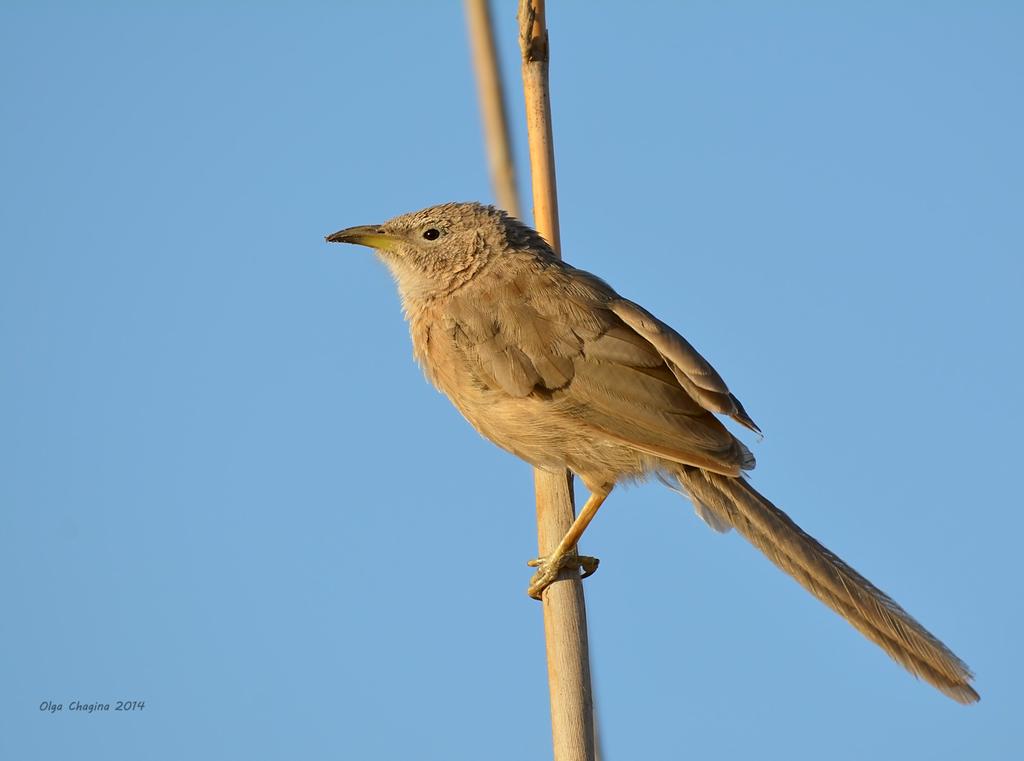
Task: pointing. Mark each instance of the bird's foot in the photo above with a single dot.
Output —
(548, 570)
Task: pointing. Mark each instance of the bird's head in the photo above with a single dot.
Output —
(435, 250)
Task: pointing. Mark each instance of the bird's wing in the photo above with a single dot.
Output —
(694, 373)
(568, 344)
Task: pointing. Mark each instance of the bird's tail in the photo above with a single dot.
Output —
(735, 502)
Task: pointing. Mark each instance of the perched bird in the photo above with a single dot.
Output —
(551, 364)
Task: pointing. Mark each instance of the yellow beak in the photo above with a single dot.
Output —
(364, 235)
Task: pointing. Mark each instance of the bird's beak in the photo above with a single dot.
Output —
(364, 235)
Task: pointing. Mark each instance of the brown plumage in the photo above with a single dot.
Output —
(551, 364)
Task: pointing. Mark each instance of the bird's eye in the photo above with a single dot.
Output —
(432, 234)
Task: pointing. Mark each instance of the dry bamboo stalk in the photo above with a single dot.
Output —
(492, 105)
(564, 612)
(533, 40)
(565, 616)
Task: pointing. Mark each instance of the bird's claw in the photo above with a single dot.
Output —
(548, 570)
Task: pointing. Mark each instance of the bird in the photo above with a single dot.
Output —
(550, 363)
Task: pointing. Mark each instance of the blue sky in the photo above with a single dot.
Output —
(227, 490)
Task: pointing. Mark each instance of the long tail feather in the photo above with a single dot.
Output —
(827, 577)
